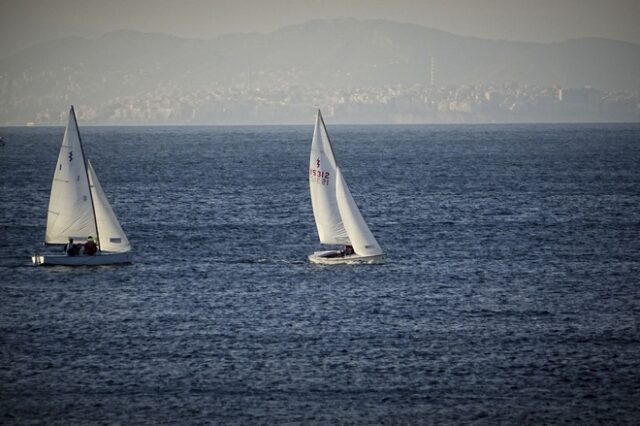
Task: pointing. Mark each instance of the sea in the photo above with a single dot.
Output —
(510, 293)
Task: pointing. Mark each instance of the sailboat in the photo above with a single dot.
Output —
(337, 216)
(79, 209)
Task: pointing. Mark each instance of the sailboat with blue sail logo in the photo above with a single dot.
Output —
(79, 215)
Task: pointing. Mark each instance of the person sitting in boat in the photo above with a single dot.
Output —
(67, 247)
(90, 247)
(71, 248)
(348, 250)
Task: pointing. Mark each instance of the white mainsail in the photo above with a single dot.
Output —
(337, 216)
(111, 236)
(322, 184)
(362, 240)
(70, 212)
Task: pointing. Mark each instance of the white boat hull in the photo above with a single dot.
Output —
(102, 258)
(333, 257)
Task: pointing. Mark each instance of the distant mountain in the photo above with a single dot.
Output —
(341, 54)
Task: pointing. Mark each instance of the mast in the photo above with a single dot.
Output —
(84, 158)
(324, 126)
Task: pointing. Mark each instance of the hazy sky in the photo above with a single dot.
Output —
(23, 22)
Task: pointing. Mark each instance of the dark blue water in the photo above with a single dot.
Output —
(511, 294)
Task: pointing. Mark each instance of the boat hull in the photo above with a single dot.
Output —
(332, 257)
(101, 258)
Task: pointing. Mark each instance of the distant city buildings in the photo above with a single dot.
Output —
(263, 98)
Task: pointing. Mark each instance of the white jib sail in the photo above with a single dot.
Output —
(70, 212)
(112, 237)
(363, 241)
(322, 185)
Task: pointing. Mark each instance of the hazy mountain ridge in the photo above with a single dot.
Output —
(371, 52)
(342, 54)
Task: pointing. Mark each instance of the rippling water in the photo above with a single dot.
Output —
(511, 292)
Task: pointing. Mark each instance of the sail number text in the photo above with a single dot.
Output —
(319, 176)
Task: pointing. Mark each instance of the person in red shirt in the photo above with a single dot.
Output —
(90, 247)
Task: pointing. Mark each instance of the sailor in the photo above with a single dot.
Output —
(348, 250)
(71, 248)
(67, 247)
(90, 247)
